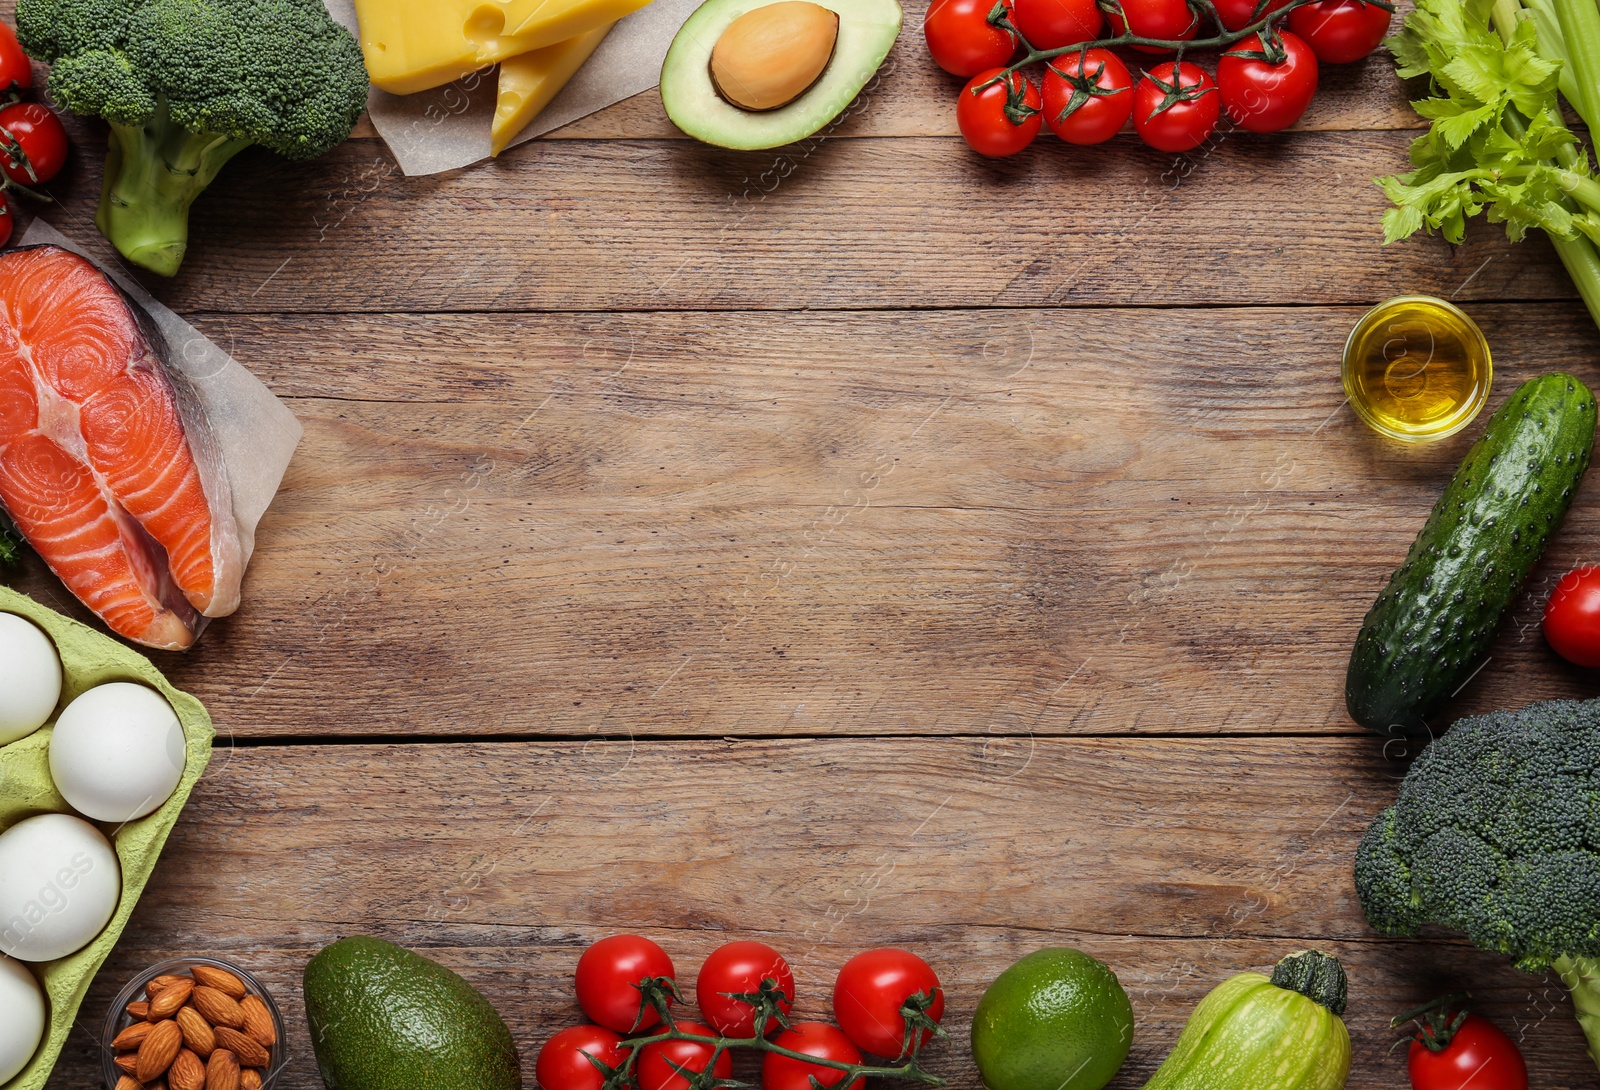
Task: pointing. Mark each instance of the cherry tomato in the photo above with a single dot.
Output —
(562, 1066)
(37, 130)
(608, 973)
(16, 74)
(1478, 1057)
(1169, 20)
(655, 1070)
(990, 128)
(7, 222)
(871, 989)
(814, 1039)
(1238, 14)
(1572, 617)
(1188, 118)
(1262, 96)
(1340, 31)
(962, 40)
(1098, 117)
(739, 968)
(1051, 24)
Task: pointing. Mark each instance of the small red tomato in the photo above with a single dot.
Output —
(33, 145)
(738, 968)
(962, 40)
(1478, 1056)
(658, 1064)
(1175, 107)
(16, 73)
(1340, 31)
(609, 973)
(871, 989)
(1097, 116)
(1572, 617)
(562, 1064)
(1166, 20)
(814, 1039)
(1051, 24)
(7, 222)
(1263, 96)
(1238, 14)
(1002, 118)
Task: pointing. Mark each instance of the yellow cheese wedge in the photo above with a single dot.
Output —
(413, 45)
(528, 83)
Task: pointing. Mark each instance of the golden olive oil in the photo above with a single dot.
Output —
(1416, 368)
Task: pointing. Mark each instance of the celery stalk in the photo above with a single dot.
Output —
(1580, 30)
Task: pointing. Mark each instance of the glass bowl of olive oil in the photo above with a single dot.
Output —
(1416, 368)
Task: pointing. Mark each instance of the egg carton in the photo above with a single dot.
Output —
(89, 658)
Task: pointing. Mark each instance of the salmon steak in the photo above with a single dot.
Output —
(107, 464)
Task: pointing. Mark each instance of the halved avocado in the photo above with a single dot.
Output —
(867, 31)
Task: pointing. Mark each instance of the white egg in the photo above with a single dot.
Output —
(117, 752)
(59, 886)
(22, 1028)
(30, 678)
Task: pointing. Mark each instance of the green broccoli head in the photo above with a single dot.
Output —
(1496, 833)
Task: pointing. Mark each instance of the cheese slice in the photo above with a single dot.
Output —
(414, 45)
(528, 82)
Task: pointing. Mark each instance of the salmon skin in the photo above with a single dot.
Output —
(107, 464)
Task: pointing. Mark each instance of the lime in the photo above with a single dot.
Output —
(1056, 1020)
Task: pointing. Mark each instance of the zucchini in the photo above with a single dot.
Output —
(1429, 630)
(1254, 1032)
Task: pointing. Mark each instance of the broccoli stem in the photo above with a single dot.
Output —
(1582, 978)
(154, 171)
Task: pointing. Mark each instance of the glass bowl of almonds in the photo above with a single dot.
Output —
(193, 1024)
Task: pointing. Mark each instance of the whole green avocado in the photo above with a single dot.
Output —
(385, 1018)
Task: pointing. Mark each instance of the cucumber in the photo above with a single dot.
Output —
(1429, 630)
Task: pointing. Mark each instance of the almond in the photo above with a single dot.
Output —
(155, 984)
(187, 1072)
(157, 1051)
(133, 1036)
(170, 999)
(127, 1063)
(198, 1036)
(159, 1084)
(251, 1052)
(250, 1079)
(220, 979)
(138, 1010)
(222, 1072)
(218, 1008)
(258, 1020)
(128, 1082)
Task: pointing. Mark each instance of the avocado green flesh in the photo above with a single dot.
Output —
(867, 31)
(385, 1018)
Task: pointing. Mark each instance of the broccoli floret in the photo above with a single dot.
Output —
(187, 84)
(1496, 833)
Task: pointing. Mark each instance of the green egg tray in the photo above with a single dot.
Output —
(89, 658)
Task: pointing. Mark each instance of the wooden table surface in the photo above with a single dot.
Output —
(848, 545)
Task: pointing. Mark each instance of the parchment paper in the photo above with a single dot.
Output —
(256, 431)
(448, 127)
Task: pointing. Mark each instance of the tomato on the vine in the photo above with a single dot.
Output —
(1099, 113)
(562, 1066)
(659, 1063)
(1262, 95)
(817, 1039)
(1454, 1049)
(870, 992)
(1002, 118)
(7, 221)
(1340, 31)
(609, 973)
(33, 145)
(962, 40)
(1167, 20)
(1051, 24)
(1238, 14)
(1572, 617)
(1175, 107)
(738, 968)
(16, 72)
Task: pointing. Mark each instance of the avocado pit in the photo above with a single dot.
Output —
(771, 55)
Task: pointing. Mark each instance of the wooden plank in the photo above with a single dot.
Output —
(732, 524)
(1177, 862)
(651, 225)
